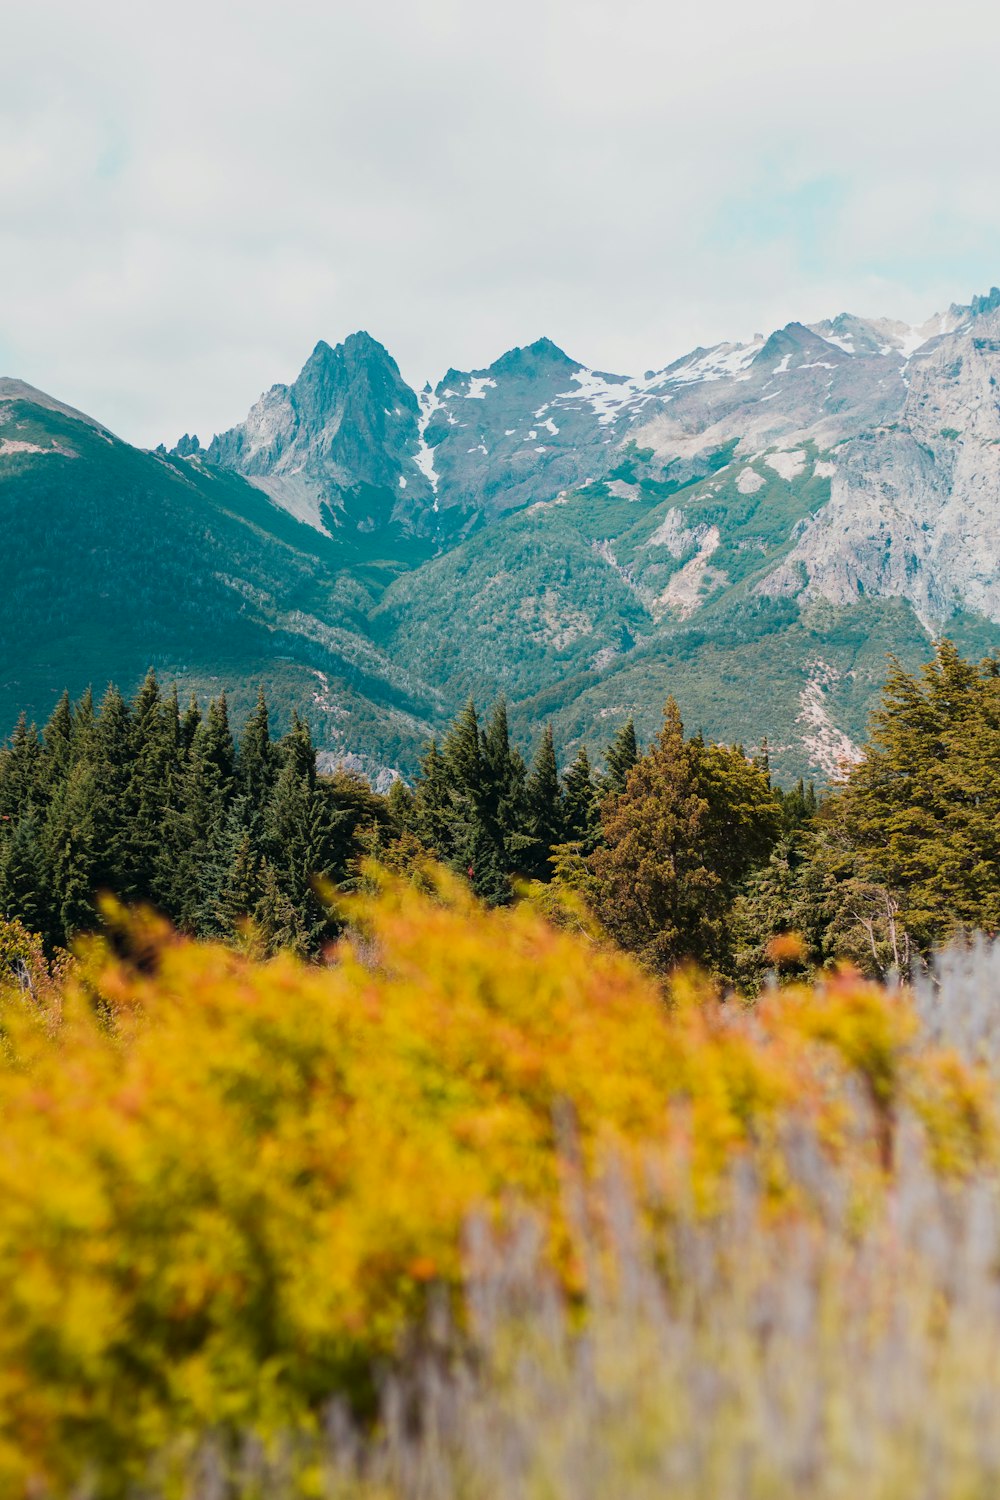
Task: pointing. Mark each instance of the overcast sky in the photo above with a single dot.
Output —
(192, 194)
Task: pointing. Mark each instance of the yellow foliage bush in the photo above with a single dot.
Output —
(225, 1185)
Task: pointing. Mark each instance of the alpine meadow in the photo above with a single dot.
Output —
(499, 869)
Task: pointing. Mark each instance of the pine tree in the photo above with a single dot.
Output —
(144, 707)
(279, 923)
(504, 780)
(74, 841)
(920, 815)
(217, 749)
(194, 822)
(230, 877)
(462, 754)
(190, 724)
(256, 762)
(307, 837)
(432, 804)
(478, 855)
(544, 801)
(20, 771)
(152, 791)
(619, 758)
(84, 734)
(25, 884)
(113, 757)
(57, 746)
(401, 803)
(581, 804)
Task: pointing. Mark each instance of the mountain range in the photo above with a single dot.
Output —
(753, 528)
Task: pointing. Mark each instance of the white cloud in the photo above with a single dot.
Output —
(191, 196)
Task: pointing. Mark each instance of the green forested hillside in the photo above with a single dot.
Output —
(117, 560)
(590, 609)
(584, 610)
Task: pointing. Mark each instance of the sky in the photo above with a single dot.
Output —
(191, 195)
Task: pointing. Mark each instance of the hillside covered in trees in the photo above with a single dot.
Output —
(680, 850)
(395, 1147)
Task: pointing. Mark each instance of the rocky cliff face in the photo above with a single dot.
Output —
(914, 510)
(349, 433)
(754, 526)
(337, 446)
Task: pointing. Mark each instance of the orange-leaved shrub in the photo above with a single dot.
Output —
(226, 1185)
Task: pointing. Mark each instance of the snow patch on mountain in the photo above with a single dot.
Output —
(430, 402)
(724, 361)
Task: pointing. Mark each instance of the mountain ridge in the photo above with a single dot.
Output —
(753, 527)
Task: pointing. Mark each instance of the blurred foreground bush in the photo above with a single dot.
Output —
(228, 1187)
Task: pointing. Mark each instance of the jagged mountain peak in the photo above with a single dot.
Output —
(541, 357)
(792, 340)
(535, 421)
(986, 304)
(347, 426)
(357, 353)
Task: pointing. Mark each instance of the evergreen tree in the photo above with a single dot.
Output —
(196, 818)
(463, 754)
(689, 825)
(581, 804)
(917, 823)
(190, 724)
(230, 877)
(25, 886)
(113, 757)
(74, 842)
(544, 803)
(619, 758)
(216, 749)
(276, 917)
(84, 733)
(432, 804)
(504, 779)
(152, 791)
(57, 746)
(402, 805)
(478, 855)
(20, 771)
(306, 835)
(144, 708)
(256, 762)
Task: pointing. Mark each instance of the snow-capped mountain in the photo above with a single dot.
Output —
(349, 442)
(752, 527)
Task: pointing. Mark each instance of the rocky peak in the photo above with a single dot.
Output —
(347, 425)
(187, 446)
(542, 358)
(981, 305)
(795, 342)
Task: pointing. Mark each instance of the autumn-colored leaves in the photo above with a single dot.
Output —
(225, 1185)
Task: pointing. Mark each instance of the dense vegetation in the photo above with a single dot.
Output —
(195, 571)
(155, 804)
(230, 1190)
(681, 851)
(343, 1174)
